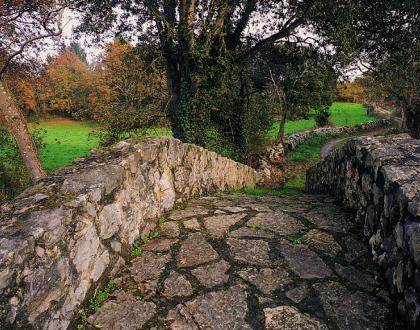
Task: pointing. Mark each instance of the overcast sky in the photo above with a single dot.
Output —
(93, 50)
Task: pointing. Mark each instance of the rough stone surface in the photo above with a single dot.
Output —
(159, 245)
(170, 229)
(250, 232)
(62, 238)
(252, 252)
(215, 310)
(146, 270)
(244, 279)
(322, 241)
(380, 178)
(351, 310)
(176, 285)
(192, 224)
(234, 209)
(288, 317)
(219, 225)
(355, 276)
(354, 249)
(201, 281)
(213, 274)
(125, 312)
(304, 262)
(297, 294)
(188, 212)
(278, 222)
(322, 219)
(266, 279)
(195, 250)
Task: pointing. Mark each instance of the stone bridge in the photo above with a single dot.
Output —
(121, 240)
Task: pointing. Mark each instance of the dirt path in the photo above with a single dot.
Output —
(245, 262)
(329, 146)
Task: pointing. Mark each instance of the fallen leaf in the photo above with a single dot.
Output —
(183, 260)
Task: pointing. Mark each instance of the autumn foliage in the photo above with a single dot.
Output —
(69, 85)
(351, 92)
(125, 89)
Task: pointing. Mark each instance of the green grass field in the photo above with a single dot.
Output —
(66, 140)
(342, 114)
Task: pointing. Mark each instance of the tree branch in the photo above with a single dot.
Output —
(235, 37)
(291, 25)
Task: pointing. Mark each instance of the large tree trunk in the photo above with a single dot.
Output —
(185, 119)
(174, 88)
(14, 122)
(411, 121)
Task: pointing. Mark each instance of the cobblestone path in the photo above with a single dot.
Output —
(243, 262)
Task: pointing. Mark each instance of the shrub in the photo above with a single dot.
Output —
(322, 116)
(13, 175)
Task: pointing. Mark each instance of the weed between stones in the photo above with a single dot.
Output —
(136, 249)
(94, 303)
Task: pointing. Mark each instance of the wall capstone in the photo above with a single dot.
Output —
(63, 237)
(380, 178)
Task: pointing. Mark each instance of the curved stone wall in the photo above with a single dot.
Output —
(64, 236)
(295, 139)
(380, 178)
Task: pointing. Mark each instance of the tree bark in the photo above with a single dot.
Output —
(14, 122)
(283, 117)
(411, 120)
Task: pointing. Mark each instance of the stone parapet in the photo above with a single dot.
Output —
(296, 139)
(380, 178)
(66, 235)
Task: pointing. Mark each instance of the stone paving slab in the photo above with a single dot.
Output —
(303, 261)
(288, 317)
(219, 225)
(254, 252)
(278, 222)
(125, 312)
(213, 274)
(245, 262)
(195, 250)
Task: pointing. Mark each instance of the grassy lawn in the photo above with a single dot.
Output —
(65, 140)
(342, 114)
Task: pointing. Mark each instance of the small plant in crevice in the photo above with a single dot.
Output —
(94, 303)
(181, 206)
(162, 219)
(295, 240)
(101, 296)
(136, 249)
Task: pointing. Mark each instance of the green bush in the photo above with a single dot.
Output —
(322, 116)
(13, 175)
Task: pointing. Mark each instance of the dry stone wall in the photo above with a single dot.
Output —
(64, 236)
(380, 178)
(295, 139)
